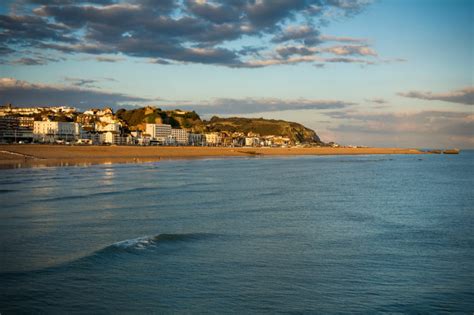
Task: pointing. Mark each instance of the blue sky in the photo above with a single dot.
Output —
(386, 73)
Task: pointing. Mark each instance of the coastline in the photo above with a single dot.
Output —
(31, 155)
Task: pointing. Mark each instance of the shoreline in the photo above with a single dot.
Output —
(38, 155)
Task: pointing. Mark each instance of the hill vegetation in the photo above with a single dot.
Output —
(136, 119)
(264, 127)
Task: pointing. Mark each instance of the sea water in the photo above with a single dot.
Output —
(332, 234)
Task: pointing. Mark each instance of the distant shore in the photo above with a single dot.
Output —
(59, 155)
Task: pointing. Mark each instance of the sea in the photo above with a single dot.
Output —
(300, 235)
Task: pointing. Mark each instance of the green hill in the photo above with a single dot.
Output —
(264, 127)
(136, 119)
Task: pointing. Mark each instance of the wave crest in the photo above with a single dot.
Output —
(148, 242)
(119, 250)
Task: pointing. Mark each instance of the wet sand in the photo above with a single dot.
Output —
(60, 155)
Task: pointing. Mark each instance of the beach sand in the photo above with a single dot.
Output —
(60, 155)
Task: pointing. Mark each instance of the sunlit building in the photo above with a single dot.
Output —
(49, 131)
(212, 138)
(158, 132)
(180, 136)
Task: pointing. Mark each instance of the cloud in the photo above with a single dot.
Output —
(344, 39)
(29, 61)
(350, 60)
(279, 61)
(462, 96)
(286, 51)
(172, 31)
(376, 100)
(23, 93)
(215, 13)
(90, 83)
(159, 61)
(415, 129)
(31, 30)
(110, 79)
(230, 106)
(37, 60)
(348, 50)
(305, 34)
(108, 59)
(64, 2)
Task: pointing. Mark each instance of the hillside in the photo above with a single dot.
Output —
(136, 119)
(264, 127)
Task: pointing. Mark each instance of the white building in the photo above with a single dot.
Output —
(252, 141)
(56, 130)
(99, 112)
(105, 127)
(9, 110)
(180, 136)
(213, 138)
(109, 137)
(158, 132)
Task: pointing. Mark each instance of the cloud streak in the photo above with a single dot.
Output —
(416, 129)
(108, 59)
(461, 96)
(377, 100)
(231, 106)
(23, 93)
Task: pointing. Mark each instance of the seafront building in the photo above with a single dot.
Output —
(252, 141)
(164, 134)
(158, 132)
(14, 129)
(213, 138)
(105, 127)
(109, 133)
(51, 131)
(195, 139)
(102, 126)
(8, 110)
(179, 136)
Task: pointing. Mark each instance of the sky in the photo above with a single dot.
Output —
(391, 73)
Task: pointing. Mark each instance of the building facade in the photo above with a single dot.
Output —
(49, 131)
(14, 129)
(11, 110)
(105, 127)
(252, 141)
(180, 136)
(212, 138)
(195, 139)
(158, 132)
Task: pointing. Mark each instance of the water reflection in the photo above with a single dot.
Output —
(107, 177)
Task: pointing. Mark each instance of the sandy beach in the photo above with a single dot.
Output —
(58, 155)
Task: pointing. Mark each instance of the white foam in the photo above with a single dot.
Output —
(136, 243)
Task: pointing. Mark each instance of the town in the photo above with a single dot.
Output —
(65, 125)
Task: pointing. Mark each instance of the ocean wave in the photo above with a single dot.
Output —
(160, 243)
(149, 242)
(98, 194)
